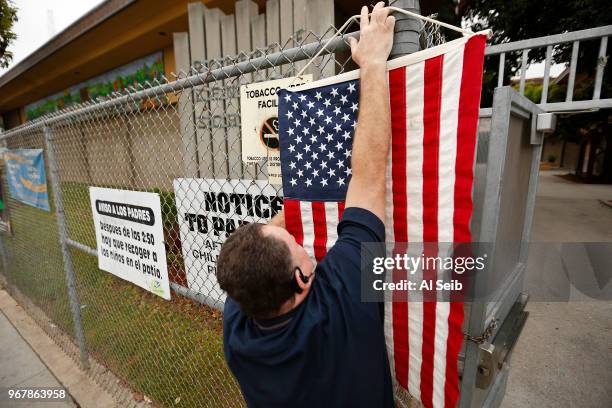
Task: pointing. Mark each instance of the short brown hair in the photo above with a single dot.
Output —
(255, 271)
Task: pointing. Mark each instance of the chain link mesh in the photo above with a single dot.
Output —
(171, 351)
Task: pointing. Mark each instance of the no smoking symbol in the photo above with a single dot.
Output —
(268, 134)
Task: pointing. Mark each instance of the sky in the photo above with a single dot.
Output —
(40, 20)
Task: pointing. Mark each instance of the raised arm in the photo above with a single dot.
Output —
(367, 188)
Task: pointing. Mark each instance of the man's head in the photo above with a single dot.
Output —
(256, 266)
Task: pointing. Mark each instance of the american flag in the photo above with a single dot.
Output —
(435, 97)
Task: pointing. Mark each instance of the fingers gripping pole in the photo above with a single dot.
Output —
(407, 29)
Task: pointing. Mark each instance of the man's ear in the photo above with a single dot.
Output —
(303, 285)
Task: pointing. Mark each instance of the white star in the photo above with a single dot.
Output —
(290, 131)
(348, 171)
(322, 147)
(343, 99)
(313, 138)
(289, 115)
(329, 137)
(320, 112)
(300, 173)
(328, 120)
(326, 103)
(299, 156)
(351, 87)
(315, 173)
(311, 121)
(323, 164)
(354, 124)
(296, 122)
(331, 172)
(293, 182)
(295, 105)
(330, 155)
(337, 128)
(307, 165)
(320, 130)
(287, 97)
(347, 153)
(323, 182)
(307, 148)
(291, 148)
(308, 182)
(306, 131)
(315, 155)
(354, 107)
(298, 139)
(340, 181)
(302, 97)
(340, 164)
(338, 145)
(318, 96)
(345, 117)
(337, 110)
(334, 91)
(292, 165)
(304, 114)
(310, 104)
(346, 135)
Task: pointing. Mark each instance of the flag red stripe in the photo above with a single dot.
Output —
(293, 220)
(340, 210)
(320, 229)
(431, 143)
(469, 103)
(397, 87)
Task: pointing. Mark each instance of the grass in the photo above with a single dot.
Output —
(171, 351)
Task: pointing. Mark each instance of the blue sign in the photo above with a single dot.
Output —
(27, 181)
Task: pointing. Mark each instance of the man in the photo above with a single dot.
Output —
(299, 336)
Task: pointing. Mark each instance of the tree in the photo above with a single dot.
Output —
(8, 17)
(522, 19)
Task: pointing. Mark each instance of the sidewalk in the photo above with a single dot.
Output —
(20, 367)
(29, 358)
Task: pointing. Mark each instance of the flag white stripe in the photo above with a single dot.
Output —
(451, 87)
(331, 222)
(414, 189)
(388, 307)
(307, 227)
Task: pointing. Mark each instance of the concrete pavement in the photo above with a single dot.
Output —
(20, 367)
(564, 355)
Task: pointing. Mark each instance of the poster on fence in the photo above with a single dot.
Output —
(259, 122)
(26, 177)
(208, 211)
(130, 237)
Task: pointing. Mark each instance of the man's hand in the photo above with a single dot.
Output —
(367, 188)
(375, 37)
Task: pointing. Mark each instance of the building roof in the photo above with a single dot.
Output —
(112, 34)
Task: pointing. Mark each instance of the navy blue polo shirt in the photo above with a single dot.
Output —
(330, 350)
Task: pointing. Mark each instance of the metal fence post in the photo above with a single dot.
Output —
(75, 304)
(407, 29)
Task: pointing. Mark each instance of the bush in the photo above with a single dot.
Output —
(551, 158)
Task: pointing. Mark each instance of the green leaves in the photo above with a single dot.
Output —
(8, 17)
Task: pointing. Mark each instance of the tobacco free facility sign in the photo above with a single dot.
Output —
(259, 122)
(130, 237)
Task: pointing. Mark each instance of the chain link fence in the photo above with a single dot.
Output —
(169, 351)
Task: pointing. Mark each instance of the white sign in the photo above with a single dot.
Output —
(130, 237)
(259, 122)
(208, 211)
